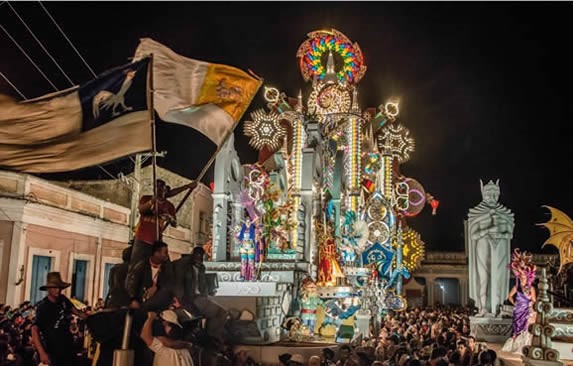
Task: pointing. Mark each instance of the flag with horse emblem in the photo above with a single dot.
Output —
(100, 121)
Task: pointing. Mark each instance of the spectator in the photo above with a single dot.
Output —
(51, 331)
(344, 353)
(284, 359)
(165, 355)
(242, 358)
(314, 361)
(297, 360)
(327, 357)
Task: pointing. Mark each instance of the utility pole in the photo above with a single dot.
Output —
(135, 190)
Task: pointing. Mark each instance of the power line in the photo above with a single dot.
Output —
(12, 85)
(28, 57)
(67, 39)
(75, 49)
(24, 52)
(40, 43)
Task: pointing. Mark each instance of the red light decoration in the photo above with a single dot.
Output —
(433, 202)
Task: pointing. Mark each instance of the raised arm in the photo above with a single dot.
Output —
(146, 331)
(146, 204)
(175, 191)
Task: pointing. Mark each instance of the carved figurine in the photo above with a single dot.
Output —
(247, 250)
(490, 229)
(309, 302)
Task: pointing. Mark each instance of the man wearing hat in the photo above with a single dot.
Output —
(51, 330)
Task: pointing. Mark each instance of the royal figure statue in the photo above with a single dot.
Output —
(489, 233)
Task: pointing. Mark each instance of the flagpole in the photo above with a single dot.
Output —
(219, 147)
(153, 143)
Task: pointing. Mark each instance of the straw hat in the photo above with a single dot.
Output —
(170, 317)
(54, 280)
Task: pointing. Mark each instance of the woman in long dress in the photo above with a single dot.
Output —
(522, 296)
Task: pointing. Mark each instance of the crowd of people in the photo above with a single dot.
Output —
(437, 336)
(17, 346)
(165, 298)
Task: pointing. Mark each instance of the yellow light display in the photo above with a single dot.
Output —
(413, 249)
(295, 176)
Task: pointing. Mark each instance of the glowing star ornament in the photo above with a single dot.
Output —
(391, 110)
(265, 130)
(395, 139)
(413, 249)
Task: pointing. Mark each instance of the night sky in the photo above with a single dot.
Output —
(485, 88)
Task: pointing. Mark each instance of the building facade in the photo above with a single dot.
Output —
(443, 278)
(47, 227)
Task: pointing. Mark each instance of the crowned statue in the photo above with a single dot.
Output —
(489, 232)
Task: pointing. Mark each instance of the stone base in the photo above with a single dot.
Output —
(532, 362)
(265, 302)
(494, 330)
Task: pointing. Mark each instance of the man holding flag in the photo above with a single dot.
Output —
(112, 116)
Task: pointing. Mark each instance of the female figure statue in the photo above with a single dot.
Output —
(525, 296)
(247, 251)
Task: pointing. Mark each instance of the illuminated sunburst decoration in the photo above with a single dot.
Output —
(395, 139)
(313, 51)
(329, 99)
(413, 249)
(265, 130)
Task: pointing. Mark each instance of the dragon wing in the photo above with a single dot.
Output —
(560, 228)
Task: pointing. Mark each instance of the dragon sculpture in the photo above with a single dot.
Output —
(560, 228)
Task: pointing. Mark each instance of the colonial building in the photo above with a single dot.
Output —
(80, 232)
(443, 278)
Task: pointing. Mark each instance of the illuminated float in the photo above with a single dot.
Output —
(328, 197)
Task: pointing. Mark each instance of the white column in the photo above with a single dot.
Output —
(463, 290)
(14, 293)
(431, 286)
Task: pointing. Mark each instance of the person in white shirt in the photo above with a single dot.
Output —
(165, 355)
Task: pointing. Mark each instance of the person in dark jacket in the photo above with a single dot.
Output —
(150, 282)
(117, 296)
(51, 330)
(192, 292)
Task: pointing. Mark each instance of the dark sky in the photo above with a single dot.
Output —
(485, 87)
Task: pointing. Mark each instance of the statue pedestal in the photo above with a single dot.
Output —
(260, 305)
(533, 362)
(494, 330)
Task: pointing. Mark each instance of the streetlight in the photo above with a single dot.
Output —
(443, 294)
